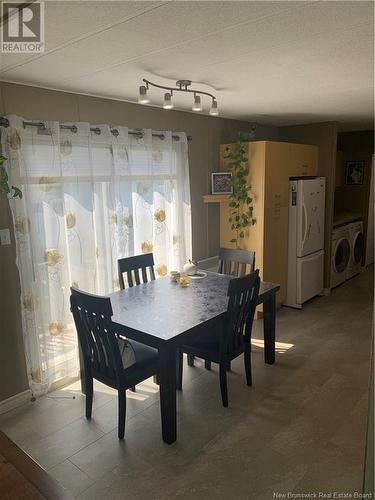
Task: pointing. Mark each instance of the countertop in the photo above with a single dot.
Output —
(342, 218)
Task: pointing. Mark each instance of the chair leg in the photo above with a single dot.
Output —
(229, 366)
(180, 365)
(247, 360)
(207, 364)
(190, 359)
(156, 379)
(121, 412)
(223, 383)
(89, 389)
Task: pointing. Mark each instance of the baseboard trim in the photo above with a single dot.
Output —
(62, 382)
(15, 401)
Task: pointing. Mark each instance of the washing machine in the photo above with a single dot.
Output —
(357, 248)
(340, 255)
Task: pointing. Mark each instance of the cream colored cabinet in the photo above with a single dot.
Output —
(271, 166)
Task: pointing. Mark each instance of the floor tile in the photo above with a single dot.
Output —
(71, 477)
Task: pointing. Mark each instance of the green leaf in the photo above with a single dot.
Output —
(4, 185)
(5, 188)
(4, 175)
(17, 193)
(240, 201)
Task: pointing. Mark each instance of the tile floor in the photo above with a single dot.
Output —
(300, 428)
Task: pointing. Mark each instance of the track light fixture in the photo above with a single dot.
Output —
(181, 86)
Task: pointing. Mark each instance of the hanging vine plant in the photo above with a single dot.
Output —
(11, 191)
(240, 201)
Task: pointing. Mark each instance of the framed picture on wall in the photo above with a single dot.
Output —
(354, 172)
(222, 183)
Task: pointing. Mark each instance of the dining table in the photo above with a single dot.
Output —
(164, 315)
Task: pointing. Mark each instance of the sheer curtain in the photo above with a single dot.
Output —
(89, 198)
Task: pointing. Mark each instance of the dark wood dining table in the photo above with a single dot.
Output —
(163, 315)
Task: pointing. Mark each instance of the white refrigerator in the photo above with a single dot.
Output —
(305, 240)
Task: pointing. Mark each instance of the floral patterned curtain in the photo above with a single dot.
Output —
(89, 198)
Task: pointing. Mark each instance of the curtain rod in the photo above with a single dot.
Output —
(4, 122)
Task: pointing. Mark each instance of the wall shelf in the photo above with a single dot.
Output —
(216, 198)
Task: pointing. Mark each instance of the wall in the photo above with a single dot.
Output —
(207, 132)
(368, 482)
(354, 146)
(13, 378)
(323, 135)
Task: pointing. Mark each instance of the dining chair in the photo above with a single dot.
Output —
(237, 263)
(139, 269)
(105, 355)
(231, 337)
(131, 266)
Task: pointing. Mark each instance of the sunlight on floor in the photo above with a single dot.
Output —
(281, 347)
(136, 395)
(149, 386)
(144, 390)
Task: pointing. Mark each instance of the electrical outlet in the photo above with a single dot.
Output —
(4, 237)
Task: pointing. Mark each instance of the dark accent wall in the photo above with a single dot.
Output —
(355, 146)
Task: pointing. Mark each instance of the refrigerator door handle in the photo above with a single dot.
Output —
(304, 224)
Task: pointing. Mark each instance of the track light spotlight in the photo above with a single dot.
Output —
(168, 104)
(197, 106)
(214, 111)
(143, 97)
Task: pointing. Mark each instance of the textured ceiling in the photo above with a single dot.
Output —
(279, 62)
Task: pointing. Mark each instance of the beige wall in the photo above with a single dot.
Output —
(323, 135)
(207, 133)
(13, 378)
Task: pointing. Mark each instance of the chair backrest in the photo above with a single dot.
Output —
(136, 269)
(236, 262)
(98, 341)
(243, 294)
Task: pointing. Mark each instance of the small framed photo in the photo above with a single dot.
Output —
(222, 183)
(354, 172)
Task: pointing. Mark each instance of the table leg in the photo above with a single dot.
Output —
(167, 374)
(269, 324)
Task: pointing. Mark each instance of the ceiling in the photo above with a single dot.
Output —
(276, 63)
